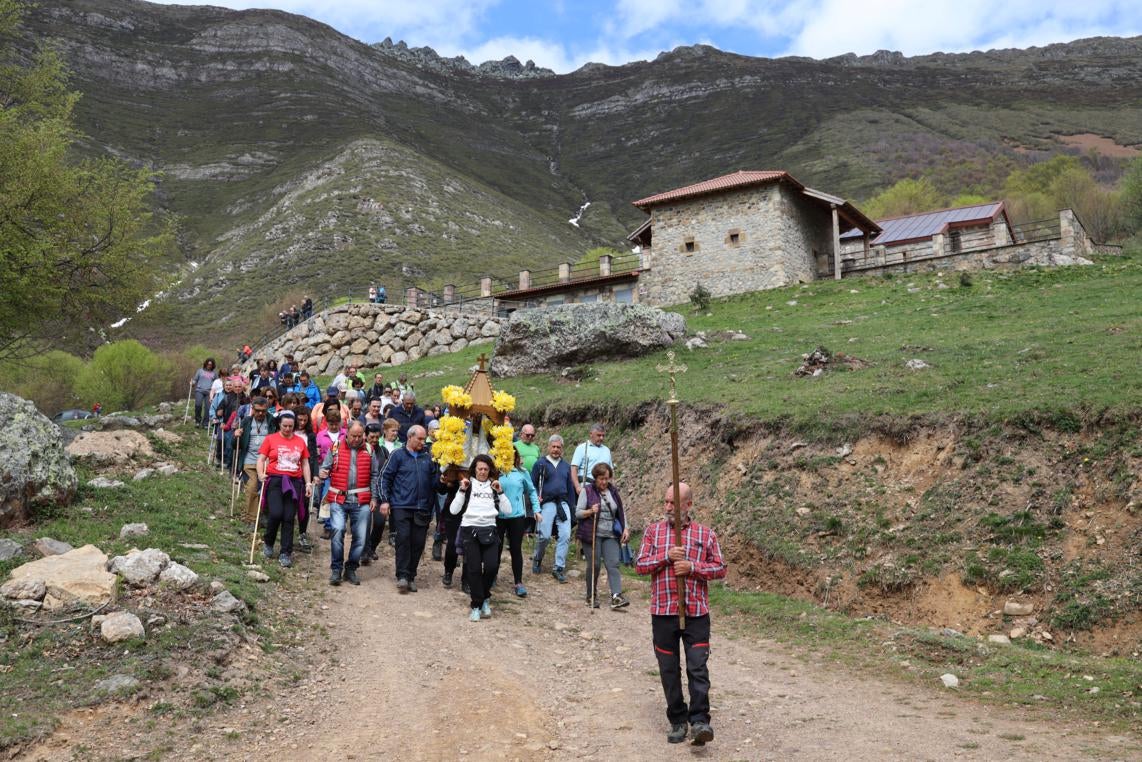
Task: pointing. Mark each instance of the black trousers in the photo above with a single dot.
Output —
(696, 640)
(451, 527)
(280, 512)
(481, 563)
(514, 529)
(411, 527)
(376, 531)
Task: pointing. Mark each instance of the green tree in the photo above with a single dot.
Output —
(77, 243)
(905, 197)
(124, 375)
(1131, 197)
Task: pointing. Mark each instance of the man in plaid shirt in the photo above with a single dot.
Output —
(698, 560)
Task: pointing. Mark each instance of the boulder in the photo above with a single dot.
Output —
(122, 625)
(117, 422)
(24, 589)
(226, 603)
(142, 473)
(132, 530)
(399, 358)
(35, 470)
(9, 549)
(537, 341)
(1017, 608)
(117, 684)
(168, 469)
(78, 575)
(140, 567)
(46, 546)
(178, 576)
(167, 437)
(108, 447)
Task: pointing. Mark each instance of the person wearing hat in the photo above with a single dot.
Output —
(332, 399)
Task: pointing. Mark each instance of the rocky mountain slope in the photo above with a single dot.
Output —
(299, 159)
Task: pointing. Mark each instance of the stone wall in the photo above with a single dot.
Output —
(775, 237)
(373, 335)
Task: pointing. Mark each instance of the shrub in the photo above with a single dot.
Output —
(700, 298)
(965, 279)
(48, 380)
(124, 375)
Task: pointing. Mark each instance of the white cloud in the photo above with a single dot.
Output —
(549, 54)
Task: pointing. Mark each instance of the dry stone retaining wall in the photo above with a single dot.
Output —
(372, 335)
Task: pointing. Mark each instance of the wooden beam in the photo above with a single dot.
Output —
(836, 244)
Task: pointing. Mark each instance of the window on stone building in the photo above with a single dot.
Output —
(624, 296)
(956, 239)
(588, 298)
(689, 246)
(734, 238)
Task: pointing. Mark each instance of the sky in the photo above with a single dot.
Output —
(563, 35)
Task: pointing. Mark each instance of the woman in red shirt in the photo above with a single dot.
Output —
(283, 465)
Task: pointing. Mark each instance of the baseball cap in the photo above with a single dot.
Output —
(333, 391)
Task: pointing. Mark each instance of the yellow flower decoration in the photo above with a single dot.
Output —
(448, 448)
(455, 396)
(503, 402)
(503, 452)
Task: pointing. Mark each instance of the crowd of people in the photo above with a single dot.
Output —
(294, 316)
(359, 456)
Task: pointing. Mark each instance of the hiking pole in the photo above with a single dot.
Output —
(233, 482)
(257, 517)
(189, 394)
(594, 572)
(210, 443)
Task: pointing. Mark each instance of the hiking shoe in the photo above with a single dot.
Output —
(267, 550)
(438, 550)
(536, 567)
(559, 575)
(677, 733)
(446, 579)
(392, 540)
(402, 585)
(335, 578)
(365, 560)
(412, 586)
(520, 590)
(373, 555)
(474, 616)
(304, 544)
(618, 601)
(351, 577)
(702, 734)
(326, 533)
(592, 602)
(464, 587)
(285, 560)
(486, 610)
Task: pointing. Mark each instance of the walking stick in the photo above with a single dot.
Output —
(233, 483)
(671, 367)
(210, 443)
(257, 518)
(189, 394)
(593, 572)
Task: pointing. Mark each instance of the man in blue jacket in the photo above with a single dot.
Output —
(308, 389)
(408, 489)
(552, 477)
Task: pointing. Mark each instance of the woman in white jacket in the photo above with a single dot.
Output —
(478, 501)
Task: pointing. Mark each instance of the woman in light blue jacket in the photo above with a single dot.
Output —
(522, 499)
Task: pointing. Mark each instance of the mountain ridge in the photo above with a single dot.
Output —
(237, 107)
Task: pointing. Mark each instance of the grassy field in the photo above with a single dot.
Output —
(49, 669)
(1041, 343)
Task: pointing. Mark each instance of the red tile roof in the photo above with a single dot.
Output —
(740, 179)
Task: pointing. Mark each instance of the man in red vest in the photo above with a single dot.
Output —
(348, 466)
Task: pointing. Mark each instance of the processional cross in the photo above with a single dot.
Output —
(671, 367)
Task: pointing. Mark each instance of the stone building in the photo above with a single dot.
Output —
(746, 231)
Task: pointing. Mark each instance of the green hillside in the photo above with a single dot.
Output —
(257, 122)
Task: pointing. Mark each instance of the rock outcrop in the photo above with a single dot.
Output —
(373, 335)
(34, 470)
(103, 448)
(78, 575)
(538, 341)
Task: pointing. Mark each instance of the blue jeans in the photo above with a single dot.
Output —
(357, 517)
(543, 532)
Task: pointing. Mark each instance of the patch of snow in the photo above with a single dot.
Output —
(575, 220)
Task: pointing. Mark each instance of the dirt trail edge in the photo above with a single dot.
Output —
(409, 678)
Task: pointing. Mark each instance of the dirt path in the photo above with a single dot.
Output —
(409, 678)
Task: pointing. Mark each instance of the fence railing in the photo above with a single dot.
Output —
(1038, 230)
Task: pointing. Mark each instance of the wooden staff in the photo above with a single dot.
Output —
(210, 443)
(257, 517)
(671, 368)
(233, 482)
